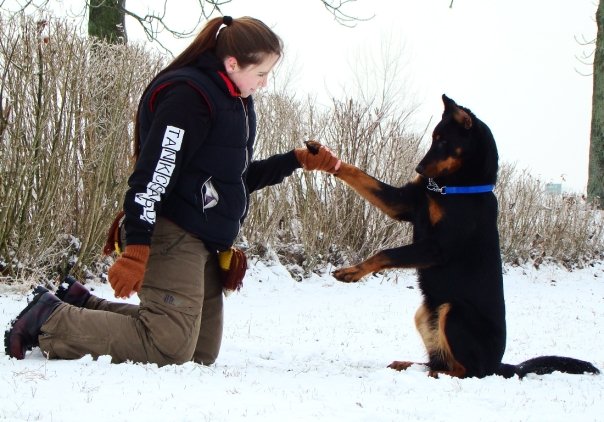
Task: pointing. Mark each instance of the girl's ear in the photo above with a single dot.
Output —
(230, 64)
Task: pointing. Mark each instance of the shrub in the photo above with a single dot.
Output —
(66, 120)
(65, 104)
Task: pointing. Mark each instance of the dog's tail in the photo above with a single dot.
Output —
(546, 365)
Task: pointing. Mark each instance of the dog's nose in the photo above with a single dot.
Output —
(420, 169)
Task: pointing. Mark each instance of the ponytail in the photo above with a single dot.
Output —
(246, 39)
(204, 41)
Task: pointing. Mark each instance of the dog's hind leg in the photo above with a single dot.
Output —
(472, 342)
(432, 326)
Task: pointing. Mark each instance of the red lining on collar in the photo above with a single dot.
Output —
(233, 90)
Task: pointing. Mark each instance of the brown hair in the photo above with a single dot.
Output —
(247, 39)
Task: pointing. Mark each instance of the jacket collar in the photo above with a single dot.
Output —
(233, 90)
(214, 68)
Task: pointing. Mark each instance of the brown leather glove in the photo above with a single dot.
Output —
(233, 264)
(317, 157)
(126, 274)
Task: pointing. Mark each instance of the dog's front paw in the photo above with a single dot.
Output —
(348, 275)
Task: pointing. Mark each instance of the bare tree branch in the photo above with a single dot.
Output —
(586, 57)
(28, 4)
(154, 22)
(336, 8)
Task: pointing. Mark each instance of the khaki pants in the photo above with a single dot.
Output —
(180, 316)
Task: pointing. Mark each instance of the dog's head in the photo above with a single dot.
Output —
(463, 149)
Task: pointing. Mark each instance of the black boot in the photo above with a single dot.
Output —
(72, 292)
(23, 332)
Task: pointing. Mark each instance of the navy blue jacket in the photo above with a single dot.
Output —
(195, 164)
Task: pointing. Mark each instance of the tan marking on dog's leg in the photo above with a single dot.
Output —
(432, 332)
(426, 329)
(376, 263)
(458, 372)
(366, 186)
(422, 323)
(402, 365)
(443, 348)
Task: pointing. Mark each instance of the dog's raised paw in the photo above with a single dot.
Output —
(313, 146)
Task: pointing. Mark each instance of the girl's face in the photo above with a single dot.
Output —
(253, 77)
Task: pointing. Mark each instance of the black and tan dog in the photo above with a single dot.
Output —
(455, 250)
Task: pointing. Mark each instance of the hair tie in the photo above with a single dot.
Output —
(227, 20)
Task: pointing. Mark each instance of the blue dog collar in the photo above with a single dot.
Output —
(453, 190)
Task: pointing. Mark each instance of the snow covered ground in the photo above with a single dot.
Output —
(317, 350)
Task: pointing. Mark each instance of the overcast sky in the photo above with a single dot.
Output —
(515, 63)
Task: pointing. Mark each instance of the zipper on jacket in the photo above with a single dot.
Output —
(247, 121)
(247, 160)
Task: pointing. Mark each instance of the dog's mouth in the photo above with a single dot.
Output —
(421, 170)
(426, 173)
(439, 169)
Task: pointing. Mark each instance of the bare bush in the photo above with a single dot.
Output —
(66, 121)
(538, 227)
(66, 107)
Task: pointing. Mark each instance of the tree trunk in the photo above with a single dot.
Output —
(107, 20)
(595, 181)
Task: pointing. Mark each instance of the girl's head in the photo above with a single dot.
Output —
(248, 48)
(246, 39)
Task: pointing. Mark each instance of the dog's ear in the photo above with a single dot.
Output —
(463, 118)
(450, 105)
(460, 115)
